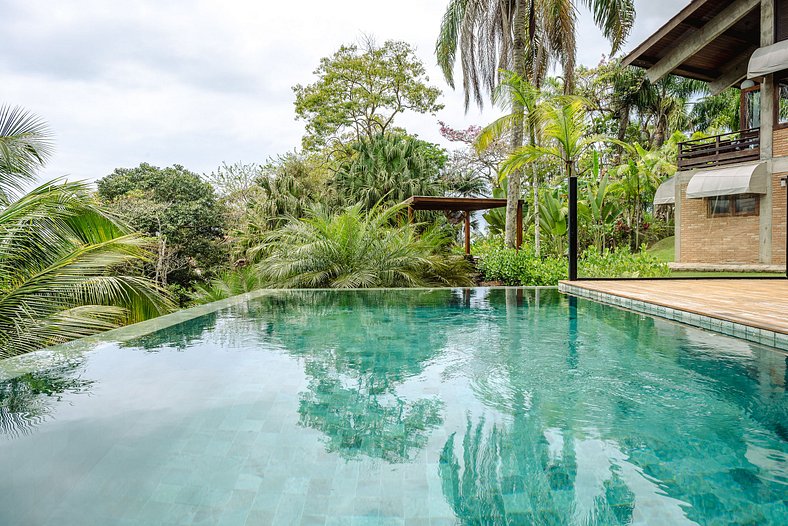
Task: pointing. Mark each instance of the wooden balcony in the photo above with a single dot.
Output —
(728, 148)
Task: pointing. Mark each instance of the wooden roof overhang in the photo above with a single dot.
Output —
(464, 204)
(467, 205)
(709, 40)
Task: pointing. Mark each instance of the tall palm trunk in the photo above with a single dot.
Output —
(535, 184)
(519, 26)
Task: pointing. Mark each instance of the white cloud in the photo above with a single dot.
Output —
(198, 83)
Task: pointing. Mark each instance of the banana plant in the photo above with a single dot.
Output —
(597, 208)
(553, 213)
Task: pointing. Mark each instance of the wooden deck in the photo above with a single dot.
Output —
(759, 303)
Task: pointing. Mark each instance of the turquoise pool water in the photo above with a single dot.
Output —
(481, 406)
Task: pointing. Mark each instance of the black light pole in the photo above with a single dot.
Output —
(572, 228)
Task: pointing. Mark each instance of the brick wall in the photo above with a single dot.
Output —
(780, 142)
(778, 219)
(718, 239)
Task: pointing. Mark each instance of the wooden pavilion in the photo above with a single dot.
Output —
(465, 205)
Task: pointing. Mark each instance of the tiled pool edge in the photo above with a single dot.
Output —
(25, 363)
(728, 328)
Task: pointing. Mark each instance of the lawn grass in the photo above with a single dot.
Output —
(664, 249)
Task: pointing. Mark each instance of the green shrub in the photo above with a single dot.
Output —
(522, 267)
(230, 283)
(513, 267)
(359, 248)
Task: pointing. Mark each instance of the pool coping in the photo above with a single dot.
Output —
(742, 331)
(25, 363)
(50, 356)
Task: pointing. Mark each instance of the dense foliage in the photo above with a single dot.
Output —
(360, 248)
(178, 209)
(389, 168)
(523, 267)
(64, 261)
(330, 214)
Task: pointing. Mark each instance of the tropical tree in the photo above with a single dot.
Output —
(553, 220)
(717, 113)
(62, 257)
(521, 36)
(638, 180)
(515, 94)
(563, 125)
(178, 209)
(388, 168)
(598, 207)
(668, 105)
(361, 90)
(360, 249)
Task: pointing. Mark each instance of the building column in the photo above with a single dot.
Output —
(766, 136)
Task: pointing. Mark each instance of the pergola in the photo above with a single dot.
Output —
(466, 205)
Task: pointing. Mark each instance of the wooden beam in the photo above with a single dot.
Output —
(683, 15)
(519, 237)
(734, 73)
(699, 39)
(467, 233)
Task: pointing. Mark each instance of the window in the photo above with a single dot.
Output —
(751, 107)
(733, 205)
(782, 102)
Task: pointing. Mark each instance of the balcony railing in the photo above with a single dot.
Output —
(728, 148)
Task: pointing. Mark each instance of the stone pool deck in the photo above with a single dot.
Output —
(752, 309)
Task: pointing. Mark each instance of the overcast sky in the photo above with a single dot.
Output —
(201, 82)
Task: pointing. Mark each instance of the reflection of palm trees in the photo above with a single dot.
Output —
(600, 414)
(513, 474)
(523, 471)
(26, 400)
(359, 348)
(363, 420)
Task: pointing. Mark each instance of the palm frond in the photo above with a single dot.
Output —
(25, 145)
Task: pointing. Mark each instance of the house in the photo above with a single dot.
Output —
(729, 191)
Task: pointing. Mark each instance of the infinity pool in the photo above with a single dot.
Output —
(475, 406)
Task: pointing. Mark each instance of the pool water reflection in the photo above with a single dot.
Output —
(469, 406)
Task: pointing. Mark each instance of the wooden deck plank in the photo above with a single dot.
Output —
(757, 303)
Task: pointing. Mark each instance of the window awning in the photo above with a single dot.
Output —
(666, 193)
(769, 59)
(740, 179)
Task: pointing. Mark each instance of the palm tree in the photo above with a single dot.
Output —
(564, 128)
(360, 248)
(639, 179)
(491, 36)
(64, 261)
(516, 92)
(390, 168)
(668, 104)
(521, 36)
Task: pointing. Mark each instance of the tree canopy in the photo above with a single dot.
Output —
(176, 207)
(361, 89)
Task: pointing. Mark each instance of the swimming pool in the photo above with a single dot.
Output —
(468, 406)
